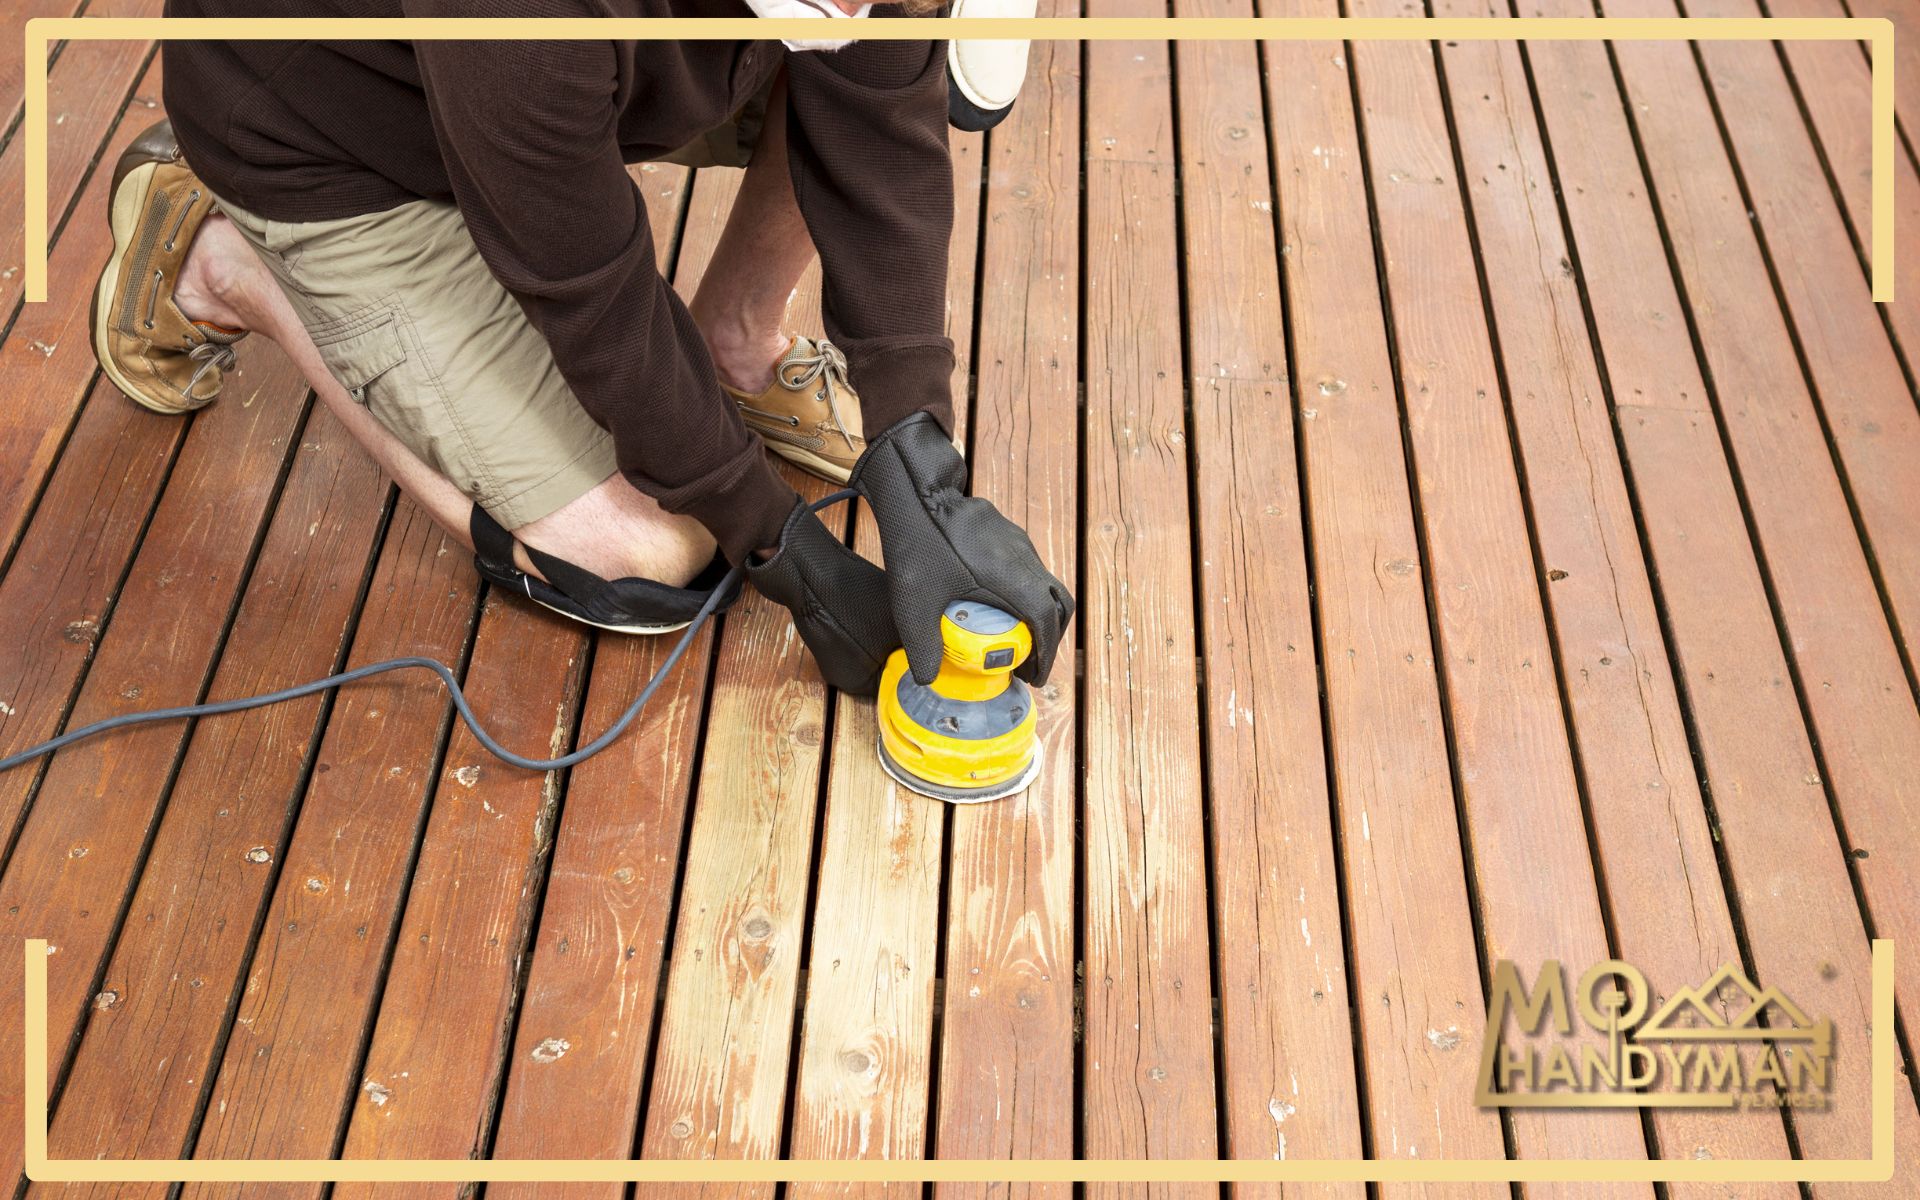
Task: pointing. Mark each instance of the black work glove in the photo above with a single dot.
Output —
(943, 545)
(838, 601)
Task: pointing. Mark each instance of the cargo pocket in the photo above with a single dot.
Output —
(361, 348)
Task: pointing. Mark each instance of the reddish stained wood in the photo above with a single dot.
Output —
(1148, 1056)
(61, 586)
(1856, 689)
(585, 1028)
(1905, 15)
(1285, 1026)
(13, 73)
(1781, 848)
(171, 979)
(86, 93)
(1649, 824)
(1869, 412)
(46, 360)
(73, 865)
(1007, 1054)
(429, 1085)
(286, 1078)
(1399, 840)
(1835, 82)
(1533, 867)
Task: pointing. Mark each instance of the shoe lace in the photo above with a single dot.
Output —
(826, 365)
(211, 356)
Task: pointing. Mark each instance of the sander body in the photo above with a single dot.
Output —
(970, 735)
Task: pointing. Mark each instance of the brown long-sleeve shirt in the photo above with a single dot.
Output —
(532, 139)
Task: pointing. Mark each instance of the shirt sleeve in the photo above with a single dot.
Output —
(867, 147)
(529, 134)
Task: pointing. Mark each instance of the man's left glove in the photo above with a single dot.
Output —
(838, 601)
(943, 545)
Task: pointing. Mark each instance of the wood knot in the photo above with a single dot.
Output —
(856, 1062)
(681, 1128)
(757, 928)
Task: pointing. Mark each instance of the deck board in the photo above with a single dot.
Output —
(46, 361)
(1532, 867)
(1008, 1034)
(575, 1076)
(166, 992)
(1782, 851)
(1147, 1061)
(1412, 961)
(867, 1050)
(289, 1068)
(1492, 543)
(79, 852)
(1644, 803)
(1285, 1028)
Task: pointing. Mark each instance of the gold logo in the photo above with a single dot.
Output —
(1727, 1043)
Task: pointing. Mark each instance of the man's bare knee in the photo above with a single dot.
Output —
(616, 531)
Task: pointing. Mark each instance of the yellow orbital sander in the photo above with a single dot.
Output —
(969, 736)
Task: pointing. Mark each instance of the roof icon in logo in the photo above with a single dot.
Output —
(1730, 1006)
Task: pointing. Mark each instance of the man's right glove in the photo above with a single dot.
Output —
(943, 545)
(838, 601)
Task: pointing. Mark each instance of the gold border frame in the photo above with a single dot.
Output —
(1878, 32)
(41, 1169)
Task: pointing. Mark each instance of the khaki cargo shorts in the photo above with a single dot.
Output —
(409, 319)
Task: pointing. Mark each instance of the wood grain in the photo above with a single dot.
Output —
(1651, 836)
(79, 850)
(863, 1079)
(429, 1083)
(1782, 850)
(1007, 1032)
(46, 361)
(1533, 871)
(61, 587)
(1834, 82)
(287, 1077)
(1286, 1034)
(585, 1027)
(721, 1068)
(174, 971)
(1147, 1061)
(1866, 408)
(1399, 840)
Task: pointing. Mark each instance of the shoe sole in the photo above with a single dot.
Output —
(633, 630)
(130, 183)
(577, 619)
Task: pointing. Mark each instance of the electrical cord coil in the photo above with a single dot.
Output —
(243, 703)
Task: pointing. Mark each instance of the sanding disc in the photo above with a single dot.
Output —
(958, 795)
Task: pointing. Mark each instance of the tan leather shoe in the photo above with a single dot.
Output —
(152, 351)
(808, 415)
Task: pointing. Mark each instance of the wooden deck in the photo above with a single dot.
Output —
(1494, 503)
